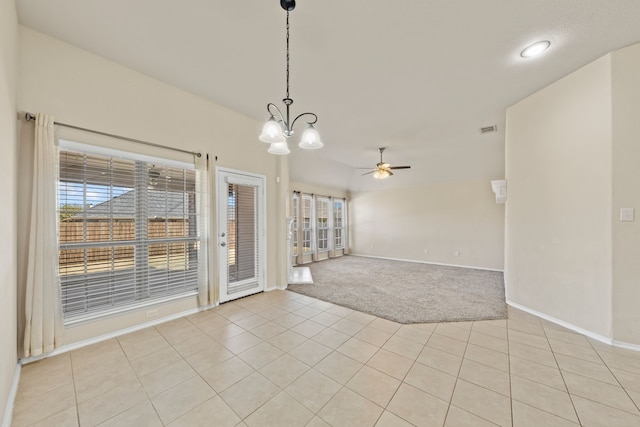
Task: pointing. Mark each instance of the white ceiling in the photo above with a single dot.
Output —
(417, 76)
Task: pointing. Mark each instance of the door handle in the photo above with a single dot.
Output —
(223, 244)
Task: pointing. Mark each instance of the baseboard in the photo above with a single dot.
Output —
(626, 345)
(590, 334)
(13, 391)
(100, 338)
(427, 262)
(598, 337)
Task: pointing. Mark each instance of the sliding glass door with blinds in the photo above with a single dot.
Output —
(241, 233)
(128, 230)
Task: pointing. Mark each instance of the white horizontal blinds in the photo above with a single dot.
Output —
(338, 223)
(322, 224)
(127, 232)
(294, 227)
(171, 230)
(243, 239)
(306, 211)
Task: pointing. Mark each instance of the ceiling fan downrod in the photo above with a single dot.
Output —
(288, 5)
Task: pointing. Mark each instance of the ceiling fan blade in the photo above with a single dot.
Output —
(400, 167)
(367, 173)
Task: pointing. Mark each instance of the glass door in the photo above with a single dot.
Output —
(241, 233)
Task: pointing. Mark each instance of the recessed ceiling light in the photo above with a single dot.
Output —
(535, 49)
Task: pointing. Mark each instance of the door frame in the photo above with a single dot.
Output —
(222, 203)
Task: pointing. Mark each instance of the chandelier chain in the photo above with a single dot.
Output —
(276, 131)
(287, 54)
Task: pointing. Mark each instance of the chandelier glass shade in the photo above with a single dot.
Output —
(279, 148)
(276, 130)
(272, 132)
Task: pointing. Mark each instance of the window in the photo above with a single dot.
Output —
(295, 200)
(338, 223)
(322, 224)
(307, 224)
(319, 227)
(128, 230)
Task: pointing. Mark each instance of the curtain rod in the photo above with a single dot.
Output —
(31, 117)
(319, 195)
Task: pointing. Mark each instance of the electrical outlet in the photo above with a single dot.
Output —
(151, 313)
(426, 251)
(456, 253)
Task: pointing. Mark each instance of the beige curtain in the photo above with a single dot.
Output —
(43, 312)
(205, 294)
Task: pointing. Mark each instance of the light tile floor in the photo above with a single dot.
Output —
(283, 359)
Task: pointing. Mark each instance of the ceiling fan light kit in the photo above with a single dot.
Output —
(383, 170)
(382, 174)
(276, 131)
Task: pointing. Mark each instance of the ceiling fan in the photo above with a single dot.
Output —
(383, 170)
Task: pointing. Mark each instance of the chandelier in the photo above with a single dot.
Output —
(276, 131)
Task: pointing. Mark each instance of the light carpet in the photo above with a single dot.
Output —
(408, 292)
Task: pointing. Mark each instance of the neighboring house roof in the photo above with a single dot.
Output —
(161, 204)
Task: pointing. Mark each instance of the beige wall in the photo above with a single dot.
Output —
(626, 193)
(83, 89)
(558, 213)
(8, 351)
(429, 223)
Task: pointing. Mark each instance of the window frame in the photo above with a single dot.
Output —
(341, 226)
(323, 233)
(298, 199)
(307, 230)
(144, 277)
(295, 244)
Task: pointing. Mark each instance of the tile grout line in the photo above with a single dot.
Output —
(73, 380)
(402, 381)
(149, 398)
(343, 386)
(455, 384)
(614, 376)
(575, 410)
(537, 382)
(315, 414)
(509, 367)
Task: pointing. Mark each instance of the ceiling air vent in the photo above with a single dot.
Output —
(488, 129)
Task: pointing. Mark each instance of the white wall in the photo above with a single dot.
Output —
(8, 168)
(558, 213)
(441, 218)
(626, 193)
(83, 89)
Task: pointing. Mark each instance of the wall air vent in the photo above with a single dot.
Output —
(488, 129)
